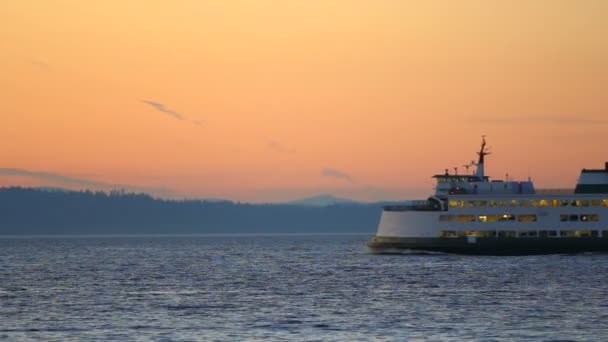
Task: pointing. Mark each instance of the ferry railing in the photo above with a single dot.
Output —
(413, 206)
(557, 191)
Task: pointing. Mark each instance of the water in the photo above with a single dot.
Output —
(304, 288)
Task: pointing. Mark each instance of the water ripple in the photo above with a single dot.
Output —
(308, 288)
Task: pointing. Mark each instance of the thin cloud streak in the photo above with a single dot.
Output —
(83, 183)
(38, 64)
(333, 173)
(277, 146)
(162, 108)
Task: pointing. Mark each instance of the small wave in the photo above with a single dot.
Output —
(291, 321)
(165, 293)
(406, 251)
(59, 329)
(200, 307)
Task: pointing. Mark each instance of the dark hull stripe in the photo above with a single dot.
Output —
(492, 246)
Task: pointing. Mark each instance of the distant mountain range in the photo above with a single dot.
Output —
(322, 201)
(60, 211)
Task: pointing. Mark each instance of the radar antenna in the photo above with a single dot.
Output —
(483, 151)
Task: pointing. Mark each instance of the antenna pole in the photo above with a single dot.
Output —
(483, 151)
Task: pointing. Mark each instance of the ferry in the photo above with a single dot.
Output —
(471, 214)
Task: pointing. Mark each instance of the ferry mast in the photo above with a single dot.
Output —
(483, 151)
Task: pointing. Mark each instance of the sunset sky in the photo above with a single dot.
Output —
(267, 100)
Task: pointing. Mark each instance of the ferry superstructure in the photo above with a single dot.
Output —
(471, 214)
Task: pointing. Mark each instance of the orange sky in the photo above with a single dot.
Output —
(267, 100)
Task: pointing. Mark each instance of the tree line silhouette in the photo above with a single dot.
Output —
(44, 211)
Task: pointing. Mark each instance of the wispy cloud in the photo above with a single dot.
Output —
(278, 147)
(38, 64)
(162, 108)
(541, 119)
(82, 183)
(54, 177)
(329, 172)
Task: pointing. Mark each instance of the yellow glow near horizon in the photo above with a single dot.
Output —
(271, 93)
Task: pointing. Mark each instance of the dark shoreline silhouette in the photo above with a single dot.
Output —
(28, 211)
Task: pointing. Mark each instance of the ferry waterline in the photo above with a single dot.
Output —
(471, 214)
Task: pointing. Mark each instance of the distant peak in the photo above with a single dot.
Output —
(322, 200)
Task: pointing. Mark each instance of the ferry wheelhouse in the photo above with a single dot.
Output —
(471, 214)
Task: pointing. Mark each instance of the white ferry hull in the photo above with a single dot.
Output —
(443, 231)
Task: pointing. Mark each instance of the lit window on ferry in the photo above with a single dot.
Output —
(555, 203)
(460, 204)
(524, 203)
(526, 218)
(513, 203)
(590, 218)
(465, 218)
(564, 203)
(492, 203)
(487, 218)
(566, 233)
(507, 217)
(544, 203)
(534, 203)
(605, 203)
(582, 203)
(596, 202)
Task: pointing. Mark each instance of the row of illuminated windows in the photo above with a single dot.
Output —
(519, 218)
(487, 218)
(528, 203)
(523, 233)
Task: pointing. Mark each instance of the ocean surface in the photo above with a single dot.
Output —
(290, 287)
